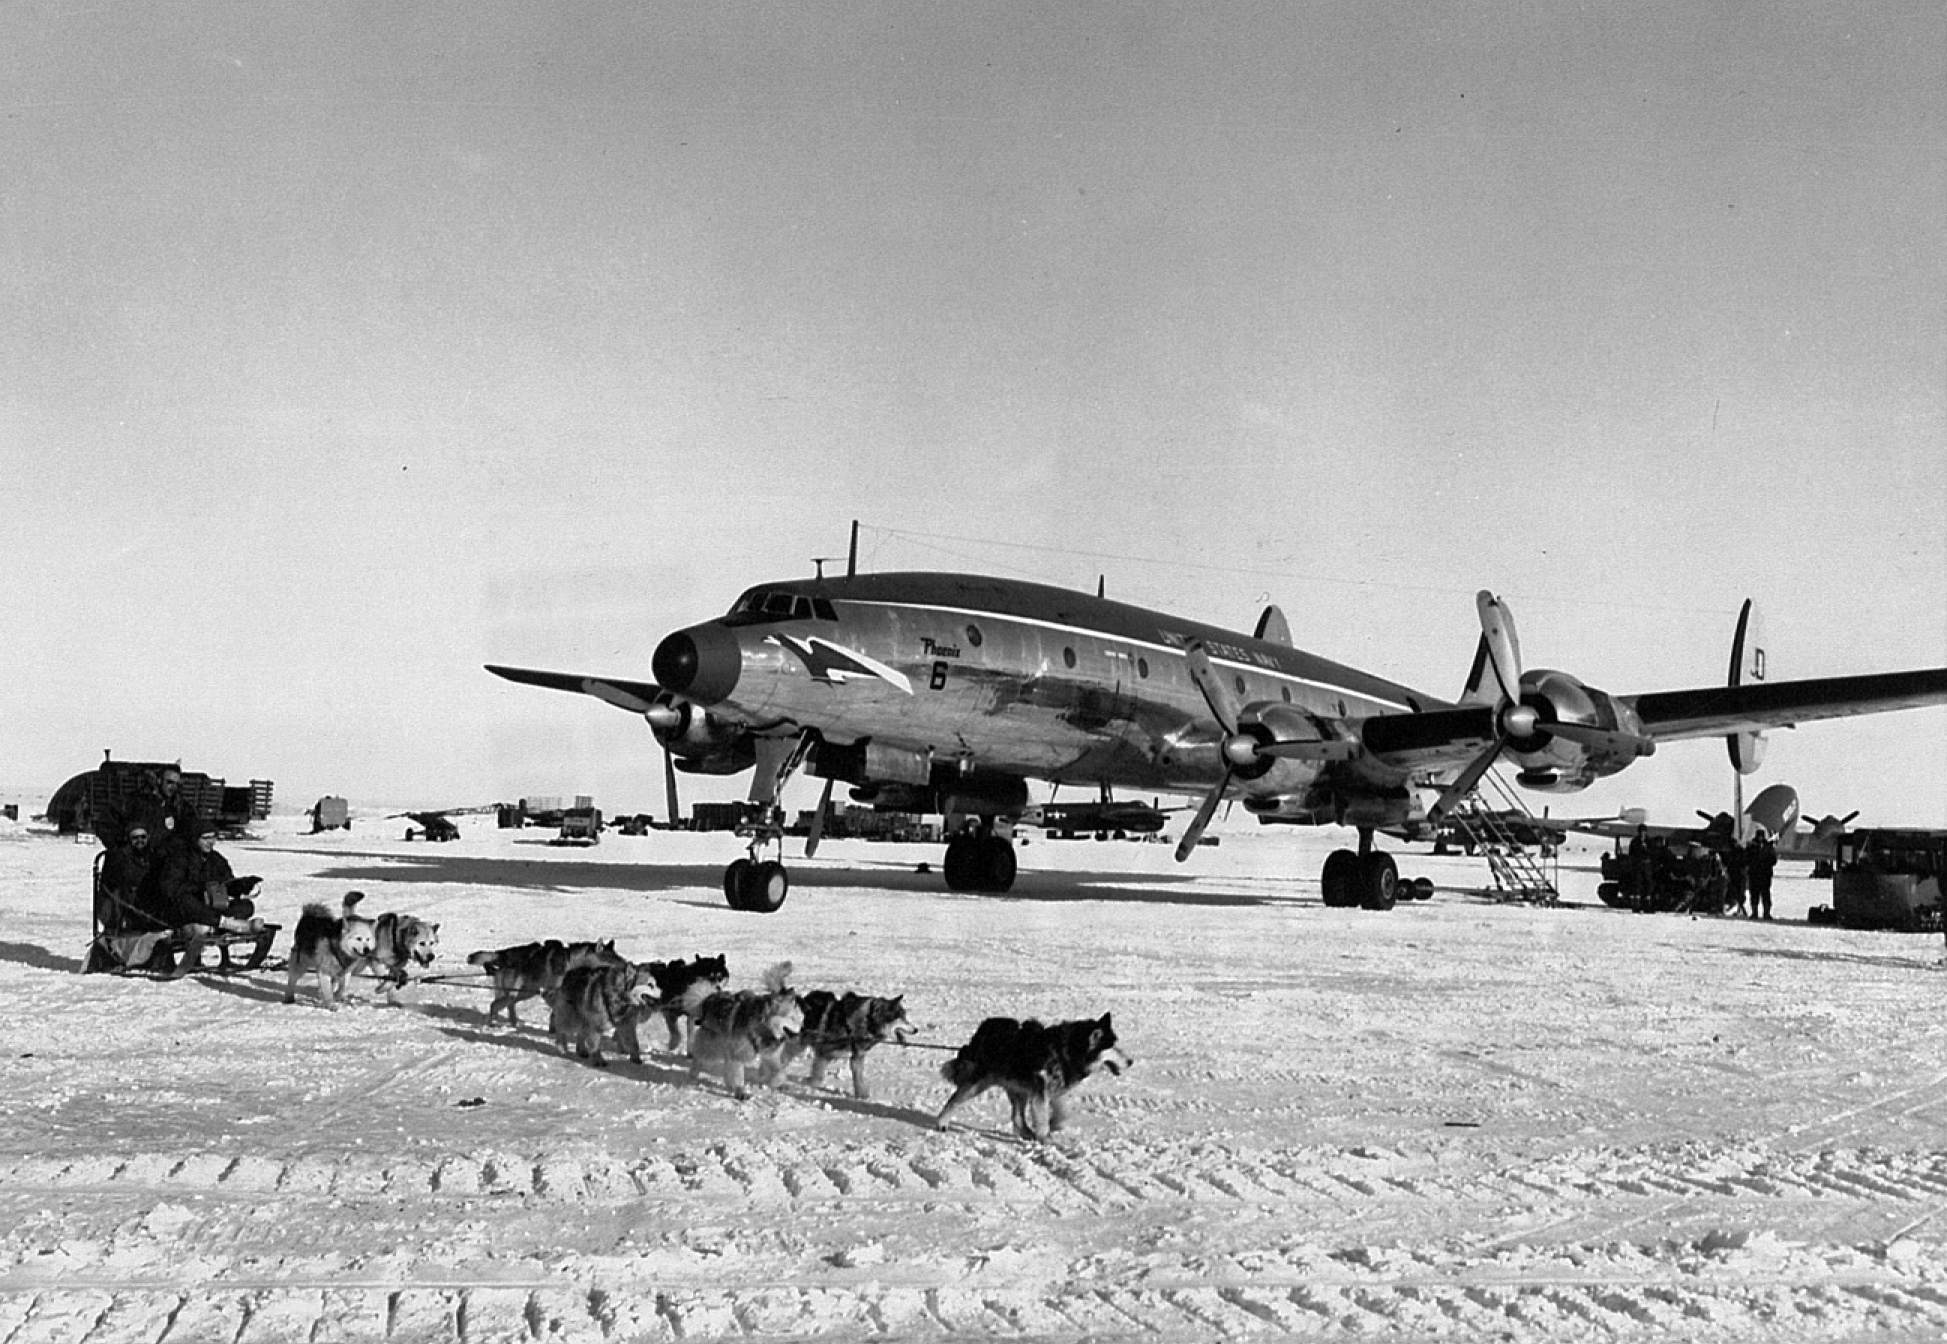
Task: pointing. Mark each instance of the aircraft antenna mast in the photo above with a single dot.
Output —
(852, 552)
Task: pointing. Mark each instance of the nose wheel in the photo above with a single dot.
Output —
(758, 886)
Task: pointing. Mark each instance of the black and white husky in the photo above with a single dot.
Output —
(1036, 1065)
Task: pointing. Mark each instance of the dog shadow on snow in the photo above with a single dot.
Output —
(37, 958)
(663, 1066)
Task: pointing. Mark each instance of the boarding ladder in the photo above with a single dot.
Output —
(1518, 874)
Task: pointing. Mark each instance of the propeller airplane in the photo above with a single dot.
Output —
(947, 692)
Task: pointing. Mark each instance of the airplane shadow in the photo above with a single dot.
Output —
(653, 879)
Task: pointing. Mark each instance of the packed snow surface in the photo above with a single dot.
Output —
(1461, 1119)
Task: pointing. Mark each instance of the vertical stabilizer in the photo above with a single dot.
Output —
(1496, 674)
(1747, 667)
(1273, 628)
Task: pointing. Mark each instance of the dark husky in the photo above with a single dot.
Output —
(330, 945)
(1036, 1064)
(536, 968)
(673, 980)
(734, 1032)
(593, 1002)
(836, 1028)
(400, 942)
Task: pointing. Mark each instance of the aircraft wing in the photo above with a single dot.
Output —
(1718, 710)
(638, 697)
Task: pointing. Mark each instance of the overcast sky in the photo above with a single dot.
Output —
(346, 347)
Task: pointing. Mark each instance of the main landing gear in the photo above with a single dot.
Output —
(1367, 879)
(980, 861)
(754, 884)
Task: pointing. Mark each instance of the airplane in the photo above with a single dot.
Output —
(1068, 820)
(944, 693)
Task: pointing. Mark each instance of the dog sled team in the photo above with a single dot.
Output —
(597, 1000)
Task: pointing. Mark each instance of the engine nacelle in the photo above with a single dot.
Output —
(703, 744)
(1553, 764)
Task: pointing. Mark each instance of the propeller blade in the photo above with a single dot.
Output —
(1215, 693)
(1455, 793)
(1503, 645)
(1846, 820)
(1208, 809)
(617, 696)
(669, 785)
(817, 832)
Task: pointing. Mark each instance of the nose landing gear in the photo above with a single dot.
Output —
(758, 886)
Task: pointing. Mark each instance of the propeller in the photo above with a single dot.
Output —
(1240, 750)
(1236, 748)
(1515, 721)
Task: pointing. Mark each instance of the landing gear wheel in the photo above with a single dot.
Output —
(736, 878)
(1336, 879)
(759, 888)
(765, 887)
(960, 863)
(995, 863)
(980, 863)
(1419, 889)
(1379, 888)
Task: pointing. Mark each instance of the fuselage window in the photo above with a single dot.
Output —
(1068, 657)
(821, 607)
(1142, 668)
(1238, 682)
(1286, 692)
(973, 635)
(779, 605)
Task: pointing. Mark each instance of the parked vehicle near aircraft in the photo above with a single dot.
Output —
(946, 692)
(1887, 878)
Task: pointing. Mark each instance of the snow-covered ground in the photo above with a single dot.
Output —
(1460, 1119)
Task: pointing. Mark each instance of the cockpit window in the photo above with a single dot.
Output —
(777, 604)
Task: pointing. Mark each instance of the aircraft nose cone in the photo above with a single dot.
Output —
(700, 663)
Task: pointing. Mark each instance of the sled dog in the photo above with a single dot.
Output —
(1037, 1065)
(593, 1002)
(536, 968)
(735, 1032)
(329, 944)
(673, 980)
(400, 942)
(848, 1027)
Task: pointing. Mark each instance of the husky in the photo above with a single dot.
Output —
(536, 968)
(837, 1027)
(593, 1002)
(331, 945)
(734, 1032)
(400, 942)
(673, 980)
(1037, 1065)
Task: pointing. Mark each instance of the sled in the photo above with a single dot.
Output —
(127, 941)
